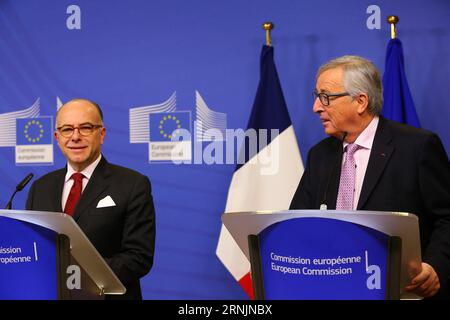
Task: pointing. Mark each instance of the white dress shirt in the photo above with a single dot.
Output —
(87, 173)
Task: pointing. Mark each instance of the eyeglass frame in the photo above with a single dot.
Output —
(327, 96)
(94, 127)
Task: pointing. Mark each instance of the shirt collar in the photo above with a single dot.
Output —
(365, 139)
(87, 172)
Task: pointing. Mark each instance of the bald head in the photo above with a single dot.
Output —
(81, 104)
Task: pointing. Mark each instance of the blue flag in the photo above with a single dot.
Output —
(34, 131)
(398, 103)
(165, 126)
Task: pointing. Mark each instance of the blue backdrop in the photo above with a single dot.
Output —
(129, 54)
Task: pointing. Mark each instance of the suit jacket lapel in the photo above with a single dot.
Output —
(379, 157)
(96, 185)
(56, 202)
(335, 173)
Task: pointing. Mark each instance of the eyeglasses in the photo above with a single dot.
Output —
(84, 130)
(325, 97)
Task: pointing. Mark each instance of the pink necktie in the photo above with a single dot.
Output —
(347, 182)
(75, 193)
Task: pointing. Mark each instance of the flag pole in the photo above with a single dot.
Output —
(392, 20)
(268, 26)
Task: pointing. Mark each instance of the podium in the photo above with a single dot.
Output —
(328, 254)
(45, 255)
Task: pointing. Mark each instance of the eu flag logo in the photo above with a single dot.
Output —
(34, 131)
(170, 126)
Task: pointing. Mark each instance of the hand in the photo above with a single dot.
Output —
(426, 283)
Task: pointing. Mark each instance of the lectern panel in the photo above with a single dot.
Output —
(316, 258)
(28, 261)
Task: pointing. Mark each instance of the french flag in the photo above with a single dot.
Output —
(268, 178)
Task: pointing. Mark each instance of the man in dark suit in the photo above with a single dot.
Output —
(112, 205)
(388, 166)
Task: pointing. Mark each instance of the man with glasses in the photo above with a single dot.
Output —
(112, 205)
(371, 163)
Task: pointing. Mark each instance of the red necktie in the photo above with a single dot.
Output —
(75, 193)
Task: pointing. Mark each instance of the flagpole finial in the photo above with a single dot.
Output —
(392, 20)
(268, 26)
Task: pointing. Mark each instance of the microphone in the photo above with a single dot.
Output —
(19, 187)
(323, 205)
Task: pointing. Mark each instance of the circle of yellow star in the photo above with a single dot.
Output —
(163, 121)
(27, 133)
